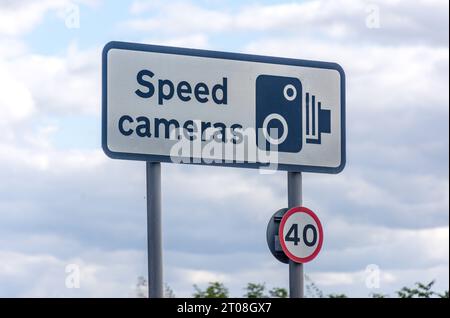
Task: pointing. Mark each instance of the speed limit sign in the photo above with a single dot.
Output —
(300, 234)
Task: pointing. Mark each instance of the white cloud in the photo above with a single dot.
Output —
(397, 77)
(344, 19)
(11, 47)
(381, 196)
(72, 82)
(390, 248)
(109, 274)
(16, 100)
(197, 41)
(181, 17)
(209, 252)
(20, 17)
(353, 283)
(138, 7)
(193, 276)
(17, 17)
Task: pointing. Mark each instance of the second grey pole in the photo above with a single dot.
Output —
(154, 237)
(296, 278)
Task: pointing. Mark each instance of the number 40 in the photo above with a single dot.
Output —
(292, 235)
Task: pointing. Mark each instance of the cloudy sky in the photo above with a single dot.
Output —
(63, 202)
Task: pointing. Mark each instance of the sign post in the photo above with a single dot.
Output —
(154, 235)
(296, 275)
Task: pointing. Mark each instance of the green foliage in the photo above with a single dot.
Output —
(337, 296)
(141, 287)
(278, 292)
(444, 295)
(168, 292)
(377, 295)
(312, 291)
(214, 290)
(255, 290)
(420, 290)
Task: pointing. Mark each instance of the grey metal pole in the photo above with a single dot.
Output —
(296, 288)
(154, 239)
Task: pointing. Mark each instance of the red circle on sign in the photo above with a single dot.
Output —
(300, 209)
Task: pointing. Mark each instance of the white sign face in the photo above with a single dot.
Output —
(195, 106)
(301, 234)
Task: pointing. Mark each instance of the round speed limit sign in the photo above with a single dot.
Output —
(301, 234)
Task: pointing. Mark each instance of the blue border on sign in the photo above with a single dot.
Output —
(226, 56)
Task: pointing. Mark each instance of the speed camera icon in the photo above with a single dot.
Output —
(279, 113)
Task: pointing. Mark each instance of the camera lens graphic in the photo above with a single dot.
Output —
(267, 120)
(290, 92)
(279, 113)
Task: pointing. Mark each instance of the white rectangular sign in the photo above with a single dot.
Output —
(205, 107)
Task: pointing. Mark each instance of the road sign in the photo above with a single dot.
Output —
(166, 104)
(301, 234)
